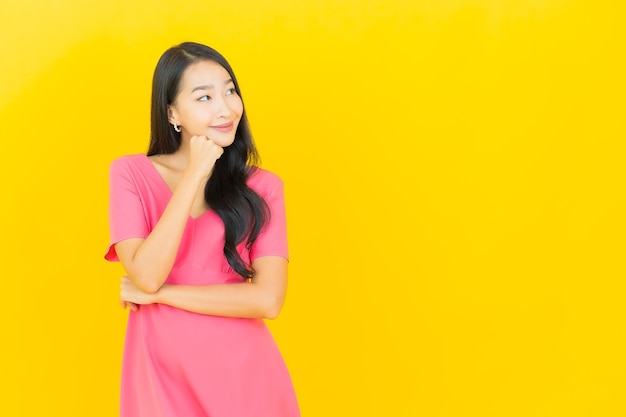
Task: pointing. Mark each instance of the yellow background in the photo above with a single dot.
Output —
(455, 185)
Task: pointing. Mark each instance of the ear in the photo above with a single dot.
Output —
(171, 115)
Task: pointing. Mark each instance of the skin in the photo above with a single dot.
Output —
(206, 99)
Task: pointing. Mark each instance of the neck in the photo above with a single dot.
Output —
(179, 159)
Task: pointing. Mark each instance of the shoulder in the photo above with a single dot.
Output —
(127, 163)
(264, 181)
(129, 160)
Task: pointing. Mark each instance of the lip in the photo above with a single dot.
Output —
(224, 127)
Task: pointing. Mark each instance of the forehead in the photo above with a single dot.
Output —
(203, 73)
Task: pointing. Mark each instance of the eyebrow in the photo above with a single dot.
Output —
(210, 86)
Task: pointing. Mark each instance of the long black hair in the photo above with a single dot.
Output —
(241, 209)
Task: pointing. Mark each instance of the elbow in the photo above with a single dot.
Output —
(145, 285)
(149, 288)
(272, 308)
(271, 315)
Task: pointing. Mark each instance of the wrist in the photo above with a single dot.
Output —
(193, 177)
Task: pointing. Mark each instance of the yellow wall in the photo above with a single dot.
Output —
(455, 186)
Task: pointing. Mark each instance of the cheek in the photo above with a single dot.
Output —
(237, 105)
(194, 114)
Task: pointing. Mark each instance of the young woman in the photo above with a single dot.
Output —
(200, 231)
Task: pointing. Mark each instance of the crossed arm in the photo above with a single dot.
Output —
(149, 261)
(263, 297)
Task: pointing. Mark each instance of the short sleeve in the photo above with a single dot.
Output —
(272, 240)
(127, 218)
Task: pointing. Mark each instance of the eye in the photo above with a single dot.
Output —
(231, 91)
(204, 98)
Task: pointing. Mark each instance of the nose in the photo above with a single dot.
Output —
(224, 109)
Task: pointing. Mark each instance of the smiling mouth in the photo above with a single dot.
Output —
(225, 127)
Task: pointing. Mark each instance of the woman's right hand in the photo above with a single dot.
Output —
(203, 153)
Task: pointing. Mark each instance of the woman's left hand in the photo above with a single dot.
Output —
(130, 294)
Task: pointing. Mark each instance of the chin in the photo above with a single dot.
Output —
(224, 143)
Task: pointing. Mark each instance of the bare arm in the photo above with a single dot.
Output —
(261, 298)
(149, 261)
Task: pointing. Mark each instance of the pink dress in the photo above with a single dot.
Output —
(182, 364)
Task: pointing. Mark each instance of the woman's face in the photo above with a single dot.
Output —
(207, 103)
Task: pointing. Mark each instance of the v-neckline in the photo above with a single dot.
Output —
(160, 178)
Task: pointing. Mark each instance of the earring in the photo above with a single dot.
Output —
(176, 128)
